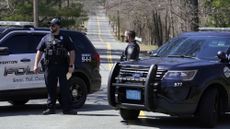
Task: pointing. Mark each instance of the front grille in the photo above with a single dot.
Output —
(132, 74)
(134, 77)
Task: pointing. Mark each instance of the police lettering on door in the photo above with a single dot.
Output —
(86, 57)
(26, 70)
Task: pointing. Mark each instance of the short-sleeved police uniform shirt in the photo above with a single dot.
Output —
(65, 40)
(132, 51)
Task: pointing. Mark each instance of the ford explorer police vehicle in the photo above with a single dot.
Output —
(17, 52)
(188, 76)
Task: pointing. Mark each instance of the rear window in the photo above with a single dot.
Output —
(81, 41)
(36, 38)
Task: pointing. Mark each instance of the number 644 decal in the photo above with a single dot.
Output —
(86, 57)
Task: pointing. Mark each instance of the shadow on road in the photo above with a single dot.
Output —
(28, 109)
(36, 109)
(170, 122)
(115, 54)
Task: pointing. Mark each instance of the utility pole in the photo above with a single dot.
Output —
(118, 24)
(118, 21)
(35, 11)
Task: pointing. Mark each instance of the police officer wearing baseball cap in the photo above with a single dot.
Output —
(59, 52)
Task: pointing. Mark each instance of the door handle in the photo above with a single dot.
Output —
(25, 60)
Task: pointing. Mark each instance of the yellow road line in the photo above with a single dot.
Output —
(108, 45)
(142, 114)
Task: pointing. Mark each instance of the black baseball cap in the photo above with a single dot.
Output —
(55, 21)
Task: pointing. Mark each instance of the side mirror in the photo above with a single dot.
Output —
(152, 53)
(222, 56)
(4, 51)
(149, 52)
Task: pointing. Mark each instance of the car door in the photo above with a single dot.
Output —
(16, 68)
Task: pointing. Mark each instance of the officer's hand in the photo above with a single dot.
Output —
(36, 69)
(71, 69)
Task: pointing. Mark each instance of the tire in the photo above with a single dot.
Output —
(18, 102)
(78, 91)
(209, 108)
(129, 114)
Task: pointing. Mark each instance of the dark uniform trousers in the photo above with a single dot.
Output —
(53, 74)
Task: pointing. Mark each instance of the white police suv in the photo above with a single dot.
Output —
(18, 83)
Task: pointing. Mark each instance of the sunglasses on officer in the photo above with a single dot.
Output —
(53, 25)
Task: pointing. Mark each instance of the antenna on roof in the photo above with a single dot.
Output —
(214, 28)
(16, 23)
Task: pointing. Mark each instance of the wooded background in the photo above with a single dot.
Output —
(71, 12)
(156, 21)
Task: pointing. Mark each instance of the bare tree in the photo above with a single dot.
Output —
(156, 21)
(194, 12)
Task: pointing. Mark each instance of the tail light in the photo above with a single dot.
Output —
(96, 58)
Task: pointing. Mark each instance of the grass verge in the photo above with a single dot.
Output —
(144, 47)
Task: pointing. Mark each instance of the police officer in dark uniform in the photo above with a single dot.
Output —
(132, 50)
(59, 60)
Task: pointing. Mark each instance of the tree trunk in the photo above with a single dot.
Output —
(59, 3)
(195, 17)
(67, 3)
(158, 28)
(171, 19)
(167, 26)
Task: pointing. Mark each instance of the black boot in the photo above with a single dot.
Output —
(48, 111)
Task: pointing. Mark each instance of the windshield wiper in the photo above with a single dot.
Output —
(182, 56)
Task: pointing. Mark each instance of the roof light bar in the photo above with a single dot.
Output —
(214, 28)
(15, 23)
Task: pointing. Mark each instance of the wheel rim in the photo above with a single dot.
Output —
(77, 93)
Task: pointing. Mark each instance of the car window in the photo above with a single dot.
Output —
(165, 49)
(36, 38)
(17, 43)
(81, 41)
(213, 46)
(197, 46)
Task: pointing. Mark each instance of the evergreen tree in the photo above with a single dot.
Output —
(72, 14)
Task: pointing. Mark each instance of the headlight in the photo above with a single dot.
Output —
(186, 75)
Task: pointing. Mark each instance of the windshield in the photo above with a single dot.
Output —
(194, 47)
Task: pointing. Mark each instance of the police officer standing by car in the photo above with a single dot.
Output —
(59, 60)
(132, 50)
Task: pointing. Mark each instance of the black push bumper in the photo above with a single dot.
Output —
(145, 84)
(122, 78)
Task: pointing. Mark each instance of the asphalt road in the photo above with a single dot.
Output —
(96, 114)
